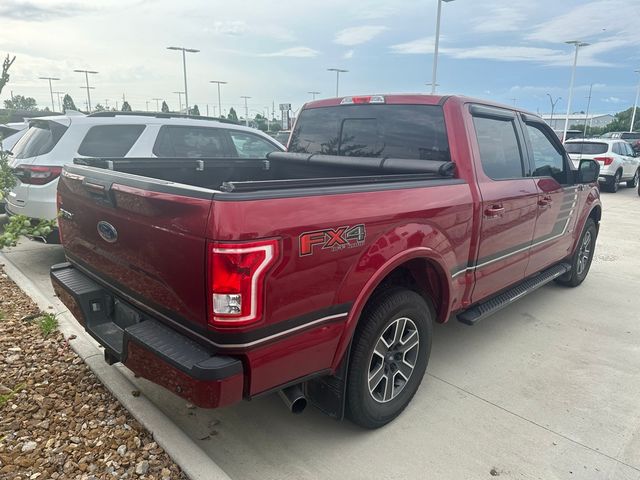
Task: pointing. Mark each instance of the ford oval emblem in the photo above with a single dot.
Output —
(107, 231)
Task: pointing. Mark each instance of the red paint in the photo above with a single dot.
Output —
(434, 232)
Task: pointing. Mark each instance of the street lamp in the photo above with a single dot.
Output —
(86, 78)
(577, 45)
(179, 101)
(184, 69)
(635, 105)
(338, 72)
(314, 94)
(219, 82)
(53, 106)
(59, 102)
(434, 73)
(553, 107)
(246, 110)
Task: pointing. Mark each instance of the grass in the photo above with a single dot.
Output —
(47, 323)
(7, 396)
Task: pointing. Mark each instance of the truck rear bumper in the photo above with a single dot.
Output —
(147, 347)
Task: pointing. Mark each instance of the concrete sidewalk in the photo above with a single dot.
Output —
(548, 388)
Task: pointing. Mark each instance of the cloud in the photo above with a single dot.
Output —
(418, 46)
(348, 54)
(30, 12)
(612, 100)
(230, 27)
(299, 52)
(358, 35)
(501, 18)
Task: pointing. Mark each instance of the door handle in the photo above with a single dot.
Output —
(545, 201)
(494, 211)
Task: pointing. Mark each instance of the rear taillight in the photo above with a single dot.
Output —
(604, 160)
(36, 174)
(236, 273)
(360, 100)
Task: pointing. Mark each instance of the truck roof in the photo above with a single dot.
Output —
(412, 99)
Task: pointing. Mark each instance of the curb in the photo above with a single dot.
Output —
(193, 461)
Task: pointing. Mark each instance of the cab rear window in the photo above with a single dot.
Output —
(393, 131)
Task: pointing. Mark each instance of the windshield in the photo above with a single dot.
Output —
(586, 148)
(41, 137)
(394, 131)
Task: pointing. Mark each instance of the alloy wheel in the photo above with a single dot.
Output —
(585, 253)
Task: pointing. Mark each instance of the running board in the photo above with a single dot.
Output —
(488, 307)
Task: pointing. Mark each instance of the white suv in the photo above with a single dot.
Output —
(617, 160)
(52, 142)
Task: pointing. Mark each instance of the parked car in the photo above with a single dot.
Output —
(570, 134)
(618, 162)
(632, 137)
(282, 136)
(319, 272)
(50, 142)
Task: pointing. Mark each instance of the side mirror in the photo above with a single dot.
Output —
(588, 171)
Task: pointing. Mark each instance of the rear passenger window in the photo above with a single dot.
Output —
(500, 153)
(251, 146)
(548, 160)
(110, 140)
(190, 142)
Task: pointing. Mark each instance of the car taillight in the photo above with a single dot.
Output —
(360, 100)
(37, 174)
(236, 273)
(605, 160)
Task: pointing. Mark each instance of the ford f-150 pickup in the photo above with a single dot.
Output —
(318, 272)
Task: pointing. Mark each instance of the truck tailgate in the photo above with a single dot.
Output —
(144, 238)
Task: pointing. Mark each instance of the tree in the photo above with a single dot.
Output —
(232, 115)
(99, 108)
(4, 78)
(67, 103)
(194, 110)
(126, 107)
(165, 107)
(19, 102)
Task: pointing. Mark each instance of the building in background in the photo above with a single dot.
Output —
(592, 120)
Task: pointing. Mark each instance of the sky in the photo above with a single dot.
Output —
(511, 51)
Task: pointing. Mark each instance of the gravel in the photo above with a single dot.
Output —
(57, 421)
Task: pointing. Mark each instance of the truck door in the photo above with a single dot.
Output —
(508, 201)
(558, 197)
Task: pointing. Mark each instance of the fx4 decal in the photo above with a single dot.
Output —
(332, 239)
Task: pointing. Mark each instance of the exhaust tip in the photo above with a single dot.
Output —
(294, 399)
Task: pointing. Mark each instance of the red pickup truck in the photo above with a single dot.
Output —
(318, 272)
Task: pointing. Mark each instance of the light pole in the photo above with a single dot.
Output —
(53, 106)
(86, 78)
(586, 116)
(157, 103)
(184, 69)
(246, 110)
(338, 72)
(635, 105)
(218, 82)
(313, 93)
(577, 45)
(434, 73)
(59, 102)
(553, 107)
(179, 101)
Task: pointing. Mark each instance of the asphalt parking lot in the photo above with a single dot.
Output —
(548, 388)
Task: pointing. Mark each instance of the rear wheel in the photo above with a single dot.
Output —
(582, 257)
(633, 183)
(389, 357)
(613, 183)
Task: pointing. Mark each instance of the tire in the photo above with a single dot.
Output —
(613, 183)
(582, 257)
(388, 324)
(633, 183)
